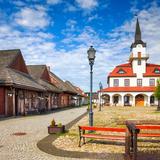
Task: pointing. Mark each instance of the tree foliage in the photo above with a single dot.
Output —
(157, 93)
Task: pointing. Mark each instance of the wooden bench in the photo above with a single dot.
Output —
(132, 134)
(92, 134)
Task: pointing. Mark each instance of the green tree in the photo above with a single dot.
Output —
(157, 94)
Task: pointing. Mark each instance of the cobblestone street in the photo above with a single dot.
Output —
(25, 147)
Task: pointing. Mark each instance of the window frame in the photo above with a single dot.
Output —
(139, 62)
(116, 84)
(127, 82)
(139, 82)
(150, 80)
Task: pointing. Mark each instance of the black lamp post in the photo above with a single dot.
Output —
(100, 87)
(91, 56)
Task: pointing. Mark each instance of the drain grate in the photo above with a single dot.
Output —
(19, 134)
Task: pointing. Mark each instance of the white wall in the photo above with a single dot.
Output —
(133, 81)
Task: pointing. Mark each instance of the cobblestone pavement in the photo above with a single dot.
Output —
(25, 147)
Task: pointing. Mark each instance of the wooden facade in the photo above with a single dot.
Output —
(27, 89)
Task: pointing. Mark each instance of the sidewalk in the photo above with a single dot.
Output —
(25, 147)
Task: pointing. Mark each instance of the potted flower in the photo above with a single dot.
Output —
(53, 128)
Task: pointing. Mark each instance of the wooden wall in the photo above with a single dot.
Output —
(2, 101)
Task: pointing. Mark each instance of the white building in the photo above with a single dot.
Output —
(133, 83)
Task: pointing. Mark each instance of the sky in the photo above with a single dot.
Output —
(58, 33)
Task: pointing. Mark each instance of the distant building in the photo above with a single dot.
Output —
(133, 83)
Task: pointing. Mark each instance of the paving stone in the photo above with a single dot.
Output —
(24, 147)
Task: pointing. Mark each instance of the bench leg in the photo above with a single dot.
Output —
(135, 146)
(84, 142)
(127, 143)
(80, 141)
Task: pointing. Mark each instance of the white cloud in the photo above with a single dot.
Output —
(54, 2)
(87, 4)
(40, 48)
(32, 18)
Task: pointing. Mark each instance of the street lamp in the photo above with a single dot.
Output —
(100, 87)
(91, 56)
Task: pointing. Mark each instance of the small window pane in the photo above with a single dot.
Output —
(126, 82)
(139, 62)
(157, 71)
(139, 82)
(116, 82)
(152, 82)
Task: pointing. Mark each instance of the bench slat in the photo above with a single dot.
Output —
(111, 137)
(151, 127)
(103, 129)
(149, 135)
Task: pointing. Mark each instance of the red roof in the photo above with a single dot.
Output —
(129, 89)
(150, 70)
(127, 68)
(128, 71)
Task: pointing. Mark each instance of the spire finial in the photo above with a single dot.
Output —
(137, 32)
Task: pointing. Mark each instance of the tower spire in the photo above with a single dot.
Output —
(137, 37)
(137, 32)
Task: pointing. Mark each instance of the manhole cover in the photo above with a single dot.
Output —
(19, 134)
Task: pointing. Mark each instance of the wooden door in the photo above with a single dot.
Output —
(140, 100)
(10, 104)
(2, 101)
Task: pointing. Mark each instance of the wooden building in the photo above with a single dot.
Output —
(50, 98)
(18, 90)
(66, 97)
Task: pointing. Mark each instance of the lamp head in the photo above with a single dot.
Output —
(91, 54)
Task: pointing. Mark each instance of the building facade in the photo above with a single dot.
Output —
(29, 89)
(133, 83)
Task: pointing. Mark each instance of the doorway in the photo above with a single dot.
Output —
(139, 100)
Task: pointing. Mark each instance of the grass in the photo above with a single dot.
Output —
(109, 117)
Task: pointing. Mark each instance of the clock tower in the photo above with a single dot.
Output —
(138, 57)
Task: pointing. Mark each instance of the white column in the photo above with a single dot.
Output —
(122, 102)
(148, 101)
(110, 100)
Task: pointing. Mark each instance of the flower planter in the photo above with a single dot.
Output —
(55, 129)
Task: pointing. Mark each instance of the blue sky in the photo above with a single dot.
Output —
(59, 32)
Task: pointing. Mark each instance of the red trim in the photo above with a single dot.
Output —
(129, 89)
(129, 70)
(155, 127)
(103, 129)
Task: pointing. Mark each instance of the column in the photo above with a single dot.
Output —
(122, 101)
(133, 101)
(110, 100)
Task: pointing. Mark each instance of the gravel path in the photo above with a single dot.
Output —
(25, 147)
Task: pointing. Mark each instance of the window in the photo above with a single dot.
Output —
(139, 82)
(152, 82)
(157, 71)
(126, 82)
(152, 100)
(116, 82)
(121, 71)
(139, 62)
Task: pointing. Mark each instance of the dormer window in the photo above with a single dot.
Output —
(121, 71)
(157, 71)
